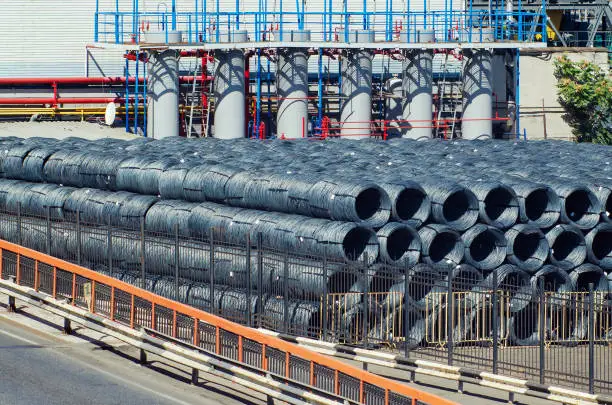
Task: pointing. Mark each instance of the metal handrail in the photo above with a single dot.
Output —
(117, 299)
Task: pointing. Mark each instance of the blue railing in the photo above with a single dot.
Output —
(213, 27)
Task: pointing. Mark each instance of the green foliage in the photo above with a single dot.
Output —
(585, 91)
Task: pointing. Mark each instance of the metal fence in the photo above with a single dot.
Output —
(500, 322)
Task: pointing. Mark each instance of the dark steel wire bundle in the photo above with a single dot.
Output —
(567, 246)
(207, 183)
(100, 170)
(485, 246)
(498, 204)
(399, 244)
(441, 246)
(409, 202)
(579, 205)
(171, 181)
(538, 203)
(599, 245)
(169, 216)
(34, 164)
(527, 247)
(451, 204)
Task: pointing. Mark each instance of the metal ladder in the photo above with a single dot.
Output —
(200, 94)
(448, 93)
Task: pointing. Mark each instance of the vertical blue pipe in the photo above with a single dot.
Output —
(281, 20)
(365, 13)
(96, 21)
(320, 91)
(204, 19)
(258, 101)
(518, 92)
(237, 15)
(127, 94)
(134, 18)
(218, 21)
(144, 101)
(117, 21)
(329, 20)
(544, 22)
(471, 22)
(173, 15)
(324, 20)
(520, 20)
(425, 15)
(197, 21)
(136, 91)
(269, 80)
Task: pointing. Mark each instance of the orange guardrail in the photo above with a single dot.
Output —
(135, 307)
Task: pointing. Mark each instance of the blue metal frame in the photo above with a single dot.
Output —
(121, 27)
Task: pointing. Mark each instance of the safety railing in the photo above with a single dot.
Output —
(219, 26)
(137, 308)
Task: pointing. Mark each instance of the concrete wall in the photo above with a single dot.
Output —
(539, 107)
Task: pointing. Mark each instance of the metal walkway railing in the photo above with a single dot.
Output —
(138, 309)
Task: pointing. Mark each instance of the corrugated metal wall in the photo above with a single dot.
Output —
(49, 37)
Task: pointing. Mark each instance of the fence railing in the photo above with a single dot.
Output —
(535, 329)
(137, 308)
(449, 25)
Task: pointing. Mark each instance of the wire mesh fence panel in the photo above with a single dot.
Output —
(207, 336)
(45, 278)
(229, 344)
(373, 395)
(348, 387)
(251, 353)
(299, 369)
(27, 271)
(142, 312)
(9, 265)
(102, 297)
(184, 328)
(276, 360)
(324, 378)
(123, 307)
(164, 322)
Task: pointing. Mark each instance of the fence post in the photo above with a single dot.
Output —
(248, 279)
(78, 235)
(109, 245)
(48, 219)
(176, 263)
(261, 306)
(406, 314)
(591, 339)
(541, 330)
(286, 319)
(496, 320)
(449, 316)
(143, 253)
(365, 302)
(19, 240)
(211, 260)
(325, 306)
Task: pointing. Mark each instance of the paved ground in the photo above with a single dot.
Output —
(61, 130)
(40, 365)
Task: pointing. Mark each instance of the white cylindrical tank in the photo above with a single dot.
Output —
(356, 89)
(292, 89)
(394, 103)
(477, 95)
(229, 92)
(163, 94)
(417, 87)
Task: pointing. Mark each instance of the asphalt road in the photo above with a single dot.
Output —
(40, 366)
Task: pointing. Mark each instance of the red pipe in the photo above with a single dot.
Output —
(26, 81)
(62, 100)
